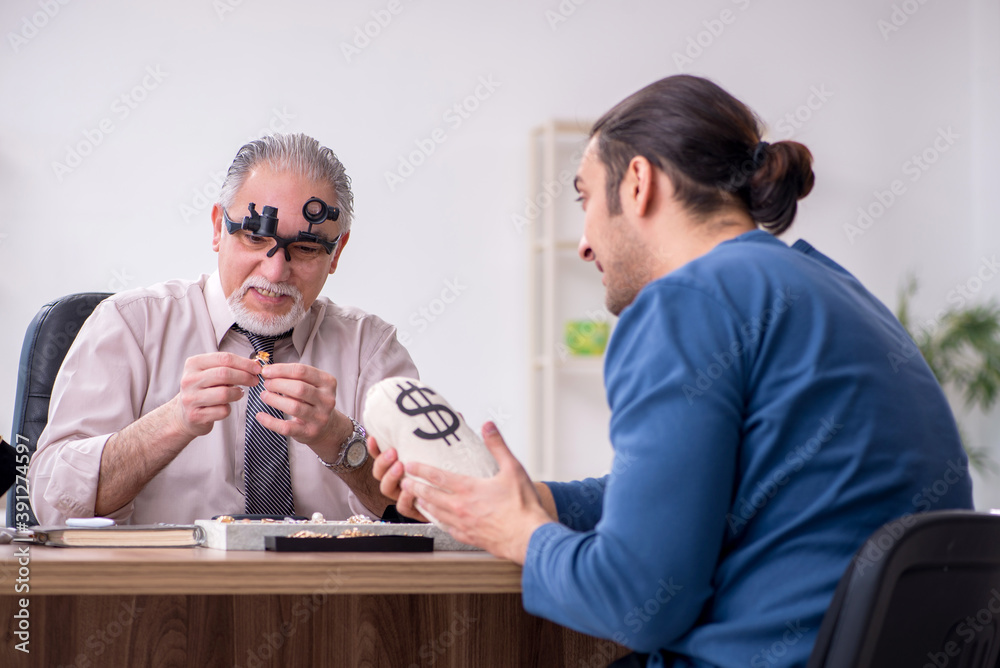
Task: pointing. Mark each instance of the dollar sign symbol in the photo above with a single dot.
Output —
(448, 419)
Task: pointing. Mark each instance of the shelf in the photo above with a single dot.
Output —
(573, 364)
(562, 244)
(567, 408)
(577, 128)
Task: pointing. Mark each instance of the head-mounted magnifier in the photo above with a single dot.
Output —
(265, 224)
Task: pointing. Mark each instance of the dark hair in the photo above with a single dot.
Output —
(708, 143)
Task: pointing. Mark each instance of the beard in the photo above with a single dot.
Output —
(621, 291)
(261, 323)
(627, 272)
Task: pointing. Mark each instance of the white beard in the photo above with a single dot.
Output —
(265, 325)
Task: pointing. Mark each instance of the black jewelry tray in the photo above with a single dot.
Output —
(352, 544)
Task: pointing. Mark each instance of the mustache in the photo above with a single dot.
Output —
(261, 283)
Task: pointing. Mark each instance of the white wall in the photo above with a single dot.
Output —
(134, 210)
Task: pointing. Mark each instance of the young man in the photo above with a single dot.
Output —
(761, 432)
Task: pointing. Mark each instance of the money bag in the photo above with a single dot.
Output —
(406, 414)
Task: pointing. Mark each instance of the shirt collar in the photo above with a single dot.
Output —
(755, 236)
(218, 309)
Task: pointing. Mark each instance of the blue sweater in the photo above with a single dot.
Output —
(768, 414)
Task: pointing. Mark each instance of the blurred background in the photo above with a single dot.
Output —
(122, 118)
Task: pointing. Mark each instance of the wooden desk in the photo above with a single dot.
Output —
(204, 607)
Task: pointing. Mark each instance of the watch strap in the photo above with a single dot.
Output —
(341, 465)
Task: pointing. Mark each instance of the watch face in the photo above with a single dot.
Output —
(356, 454)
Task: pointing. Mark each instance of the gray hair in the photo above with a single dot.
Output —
(300, 154)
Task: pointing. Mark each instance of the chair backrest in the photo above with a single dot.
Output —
(924, 590)
(8, 465)
(46, 342)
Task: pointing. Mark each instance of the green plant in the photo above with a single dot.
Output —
(962, 348)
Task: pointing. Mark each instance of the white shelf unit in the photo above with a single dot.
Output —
(568, 414)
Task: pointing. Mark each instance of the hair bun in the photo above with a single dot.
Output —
(783, 177)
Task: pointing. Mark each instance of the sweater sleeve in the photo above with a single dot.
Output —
(675, 371)
(579, 504)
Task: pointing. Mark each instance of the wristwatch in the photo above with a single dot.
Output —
(353, 453)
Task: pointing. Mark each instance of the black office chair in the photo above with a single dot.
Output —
(46, 342)
(926, 594)
(8, 465)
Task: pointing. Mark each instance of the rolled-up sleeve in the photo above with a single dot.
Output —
(387, 358)
(99, 390)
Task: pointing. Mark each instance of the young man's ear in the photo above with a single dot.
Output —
(638, 185)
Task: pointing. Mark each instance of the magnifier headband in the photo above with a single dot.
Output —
(265, 224)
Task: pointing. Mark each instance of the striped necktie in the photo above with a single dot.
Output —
(266, 474)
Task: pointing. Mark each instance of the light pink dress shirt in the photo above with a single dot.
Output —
(127, 360)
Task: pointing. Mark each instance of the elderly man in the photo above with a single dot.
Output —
(236, 392)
